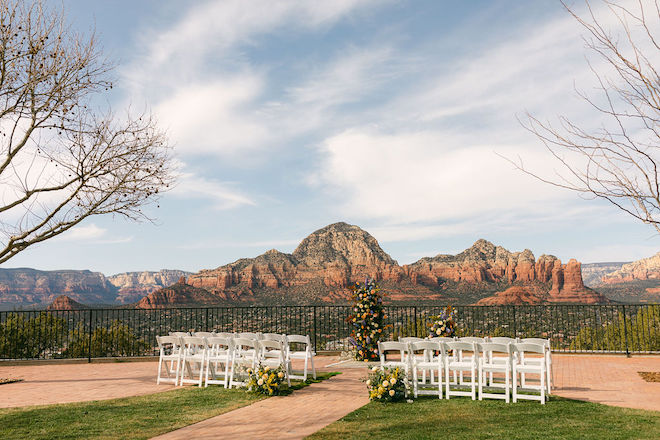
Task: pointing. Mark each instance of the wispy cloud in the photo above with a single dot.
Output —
(91, 234)
(221, 194)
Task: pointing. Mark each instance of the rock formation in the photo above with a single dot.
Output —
(333, 257)
(132, 286)
(644, 269)
(515, 295)
(63, 302)
(592, 273)
(30, 287)
(177, 295)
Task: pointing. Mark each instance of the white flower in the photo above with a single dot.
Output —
(264, 377)
(260, 382)
(409, 401)
(386, 384)
(374, 369)
(393, 381)
(368, 382)
(438, 332)
(392, 393)
(267, 369)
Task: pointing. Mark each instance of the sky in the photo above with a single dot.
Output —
(396, 116)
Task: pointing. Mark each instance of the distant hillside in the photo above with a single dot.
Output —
(592, 273)
(638, 281)
(29, 288)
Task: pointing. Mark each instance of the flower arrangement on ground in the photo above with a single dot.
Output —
(386, 385)
(367, 320)
(266, 380)
(443, 324)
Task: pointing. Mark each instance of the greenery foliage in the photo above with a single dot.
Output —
(367, 320)
(640, 332)
(28, 338)
(116, 340)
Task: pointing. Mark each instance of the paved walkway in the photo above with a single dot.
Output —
(290, 417)
(612, 380)
(63, 383)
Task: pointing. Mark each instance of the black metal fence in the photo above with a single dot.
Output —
(132, 332)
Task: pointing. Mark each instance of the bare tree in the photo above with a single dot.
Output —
(619, 161)
(61, 159)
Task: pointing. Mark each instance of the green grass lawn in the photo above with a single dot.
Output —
(139, 417)
(460, 418)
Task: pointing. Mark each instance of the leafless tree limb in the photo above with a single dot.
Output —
(61, 160)
(619, 161)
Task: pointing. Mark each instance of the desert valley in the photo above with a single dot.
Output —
(330, 259)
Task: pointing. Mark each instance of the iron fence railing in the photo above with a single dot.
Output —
(132, 332)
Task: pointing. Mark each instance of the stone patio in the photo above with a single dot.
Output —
(608, 379)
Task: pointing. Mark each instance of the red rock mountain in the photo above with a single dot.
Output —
(177, 295)
(330, 259)
(63, 302)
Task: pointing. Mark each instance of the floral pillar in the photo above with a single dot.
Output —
(367, 320)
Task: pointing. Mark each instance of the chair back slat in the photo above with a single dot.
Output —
(528, 347)
(494, 347)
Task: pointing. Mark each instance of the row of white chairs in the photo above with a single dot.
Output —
(437, 357)
(217, 358)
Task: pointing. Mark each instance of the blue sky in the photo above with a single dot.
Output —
(391, 115)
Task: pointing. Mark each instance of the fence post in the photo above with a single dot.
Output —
(315, 346)
(625, 330)
(515, 323)
(206, 320)
(415, 318)
(89, 341)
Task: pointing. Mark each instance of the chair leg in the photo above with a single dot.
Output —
(481, 385)
(311, 360)
(415, 384)
(160, 363)
(542, 386)
(305, 369)
(208, 367)
(515, 385)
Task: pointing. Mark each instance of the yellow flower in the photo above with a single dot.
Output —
(264, 377)
(392, 393)
(386, 384)
(280, 375)
(266, 369)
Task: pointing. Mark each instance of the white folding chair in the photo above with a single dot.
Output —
(393, 346)
(494, 364)
(194, 355)
(272, 354)
(465, 363)
(204, 334)
(219, 351)
(427, 362)
(547, 357)
(464, 357)
(523, 366)
(245, 355)
(170, 351)
(249, 335)
(179, 334)
(501, 359)
(307, 355)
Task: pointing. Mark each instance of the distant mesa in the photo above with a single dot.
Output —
(63, 302)
(319, 271)
(638, 281)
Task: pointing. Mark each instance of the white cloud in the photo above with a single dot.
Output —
(191, 186)
(91, 234)
(211, 117)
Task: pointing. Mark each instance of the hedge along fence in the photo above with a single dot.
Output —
(132, 332)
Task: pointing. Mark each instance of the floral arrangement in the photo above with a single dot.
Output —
(266, 380)
(443, 324)
(367, 320)
(386, 385)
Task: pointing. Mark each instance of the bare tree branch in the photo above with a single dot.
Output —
(619, 161)
(62, 161)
